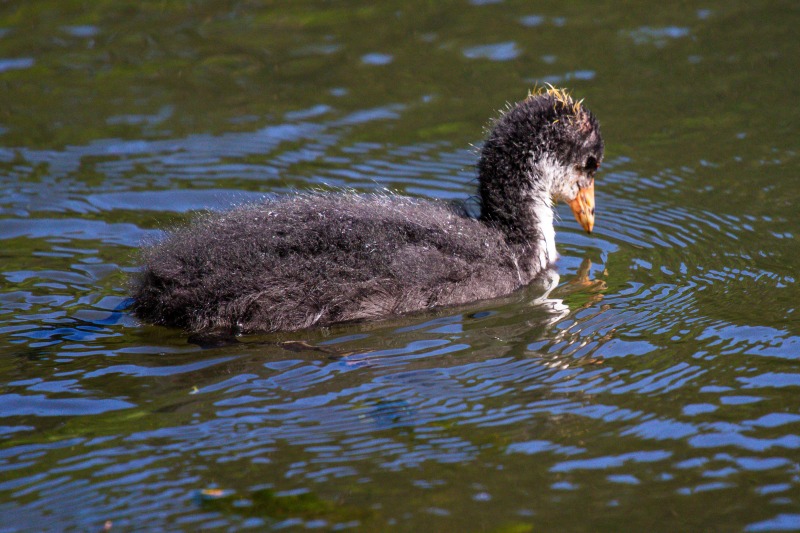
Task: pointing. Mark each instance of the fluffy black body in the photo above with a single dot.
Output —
(318, 259)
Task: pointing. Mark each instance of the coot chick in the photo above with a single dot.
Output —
(318, 259)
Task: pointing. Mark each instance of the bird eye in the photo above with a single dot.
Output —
(591, 164)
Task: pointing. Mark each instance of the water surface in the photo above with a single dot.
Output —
(657, 389)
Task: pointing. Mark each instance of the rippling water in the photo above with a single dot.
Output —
(656, 388)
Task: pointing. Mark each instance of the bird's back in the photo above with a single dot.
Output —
(315, 259)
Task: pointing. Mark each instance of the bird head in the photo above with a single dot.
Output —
(546, 145)
(572, 153)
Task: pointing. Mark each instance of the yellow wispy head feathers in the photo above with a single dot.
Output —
(561, 96)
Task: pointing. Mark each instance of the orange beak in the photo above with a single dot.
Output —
(583, 207)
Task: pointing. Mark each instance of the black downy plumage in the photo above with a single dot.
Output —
(318, 259)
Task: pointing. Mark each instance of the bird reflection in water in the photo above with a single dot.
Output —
(583, 292)
(549, 304)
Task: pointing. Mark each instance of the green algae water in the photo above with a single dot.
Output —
(656, 389)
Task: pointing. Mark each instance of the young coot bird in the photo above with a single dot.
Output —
(317, 259)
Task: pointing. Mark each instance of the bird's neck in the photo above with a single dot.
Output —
(525, 215)
(544, 252)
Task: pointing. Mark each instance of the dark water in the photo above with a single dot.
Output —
(658, 388)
